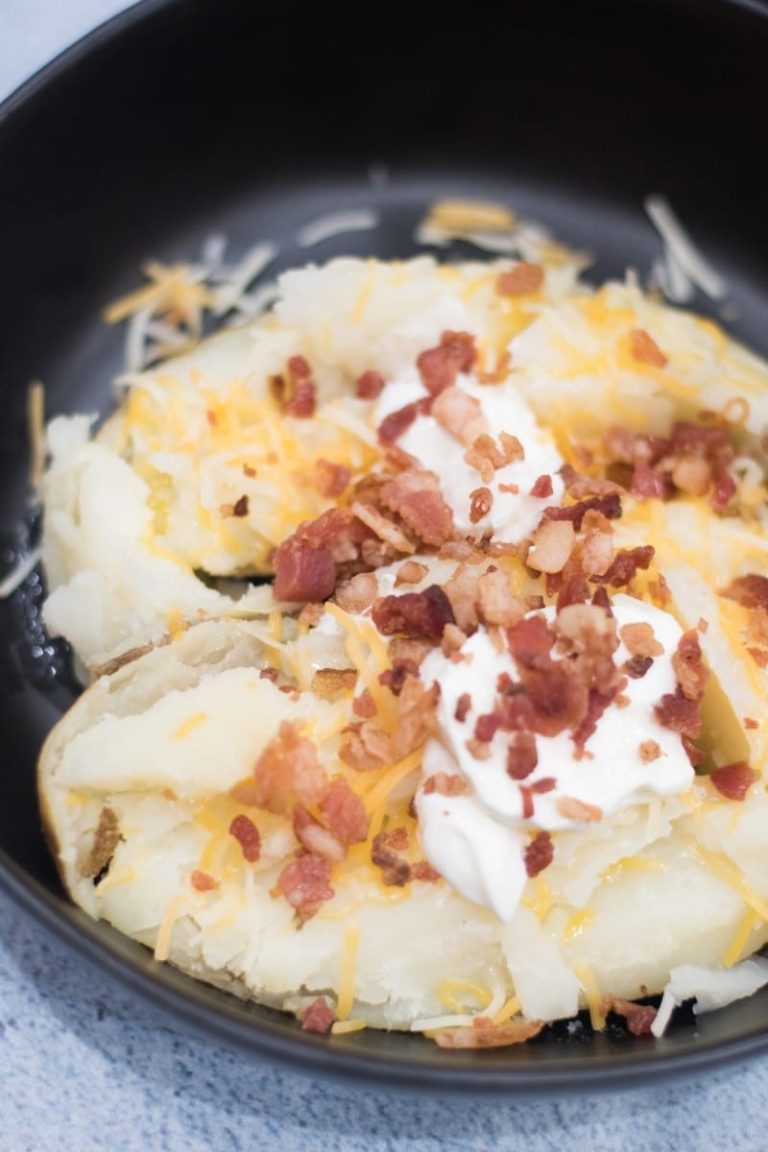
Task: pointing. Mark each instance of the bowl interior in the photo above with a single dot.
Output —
(184, 119)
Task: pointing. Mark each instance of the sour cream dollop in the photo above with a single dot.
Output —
(477, 840)
(514, 513)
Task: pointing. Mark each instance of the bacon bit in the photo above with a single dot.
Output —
(394, 677)
(625, 565)
(640, 640)
(439, 367)
(395, 838)
(330, 682)
(637, 666)
(357, 593)
(453, 641)
(203, 881)
(724, 491)
(417, 718)
(496, 603)
(423, 871)
(750, 723)
(211, 417)
(638, 1017)
(538, 854)
(734, 780)
(522, 756)
(269, 674)
(411, 572)
(608, 506)
(247, 835)
(367, 746)
(240, 507)
(420, 615)
(344, 812)
(486, 727)
(305, 883)
(395, 871)
(760, 656)
(580, 487)
(402, 648)
(463, 706)
(677, 712)
(303, 572)
(463, 592)
(497, 374)
(481, 502)
(644, 348)
(478, 749)
(542, 487)
(330, 479)
(522, 280)
(249, 471)
(750, 591)
(487, 454)
(484, 1034)
(694, 754)
(572, 809)
(364, 706)
(601, 599)
(512, 489)
(311, 834)
(311, 615)
(382, 527)
(530, 640)
(597, 551)
(302, 404)
(318, 1017)
(369, 386)
(105, 840)
(416, 497)
(399, 421)
(688, 666)
(551, 545)
(526, 797)
(659, 590)
(287, 770)
(649, 750)
(460, 414)
(647, 484)
(445, 784)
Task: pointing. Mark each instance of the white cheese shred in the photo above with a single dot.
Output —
(684, 265)
(336, 224)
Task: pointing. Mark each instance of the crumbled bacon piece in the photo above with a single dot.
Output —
(484, 1034)
(366, 746)
(315, 838)
(329, 682)
(105, 840)
(496, 603)
(247, 835)
(522, 280)
(760, 656)
(330, 479)
(486, 727)
(411, 572)
(357, 593)
(542, 487)
(423, 871)
(677, 712)
(462, 592)
(453, 641)
(608, 505)
(399, 421)
(734, 780)
(644, 348)
(572, 809)
(395, 871)
(364, 705)
(689, 667)
(439, 367)
(750, 723)
(581, 487)
(538, 854)
(286, 771)
(530, 640)
(385, 529)
(344, 812)
(647, 484)
(416, 497)
(303, 572)
(522, 756)
(751, 591)
(417, 716)
(649, 751)
(445, 784)
(302, 405)
(551, 545)
(318, 1017)
(637, 666)
(306, 884)
(463, 705)
(640, 640)
(487, 454)
(394, 677)
(420, 615)
(460, 414)
(203, 881)
(626, 564)
(638, 1017)
(481, 502)
(370, 385)
(395, 838)
(723, 492)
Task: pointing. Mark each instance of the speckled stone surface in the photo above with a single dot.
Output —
(86, 1067)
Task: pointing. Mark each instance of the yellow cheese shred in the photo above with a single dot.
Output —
(344, 1027)
(586, 978)
(737, 946)
(172, 912)
(509, 1009)
(453, 994)
(348, 972)
(729, 874)
(189, 725)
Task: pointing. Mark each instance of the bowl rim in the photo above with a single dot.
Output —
(185, 1000)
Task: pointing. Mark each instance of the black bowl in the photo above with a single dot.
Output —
(184, 117)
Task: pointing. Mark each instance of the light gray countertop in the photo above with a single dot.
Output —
(86, 1067)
